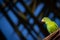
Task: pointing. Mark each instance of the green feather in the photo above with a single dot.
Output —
(51, 25)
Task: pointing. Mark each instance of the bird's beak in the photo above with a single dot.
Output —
(42, 20)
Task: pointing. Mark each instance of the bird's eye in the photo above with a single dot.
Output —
(44, 19)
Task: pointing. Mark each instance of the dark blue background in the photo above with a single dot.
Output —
(7, 29)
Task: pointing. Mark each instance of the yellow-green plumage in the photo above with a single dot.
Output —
(51, 25)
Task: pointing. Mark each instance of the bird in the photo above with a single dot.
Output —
(51, 25)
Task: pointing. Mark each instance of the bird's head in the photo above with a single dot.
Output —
(45, 19)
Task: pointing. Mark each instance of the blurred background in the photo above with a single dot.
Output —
(21, 19)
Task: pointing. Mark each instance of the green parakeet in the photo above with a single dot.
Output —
(51, 25)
